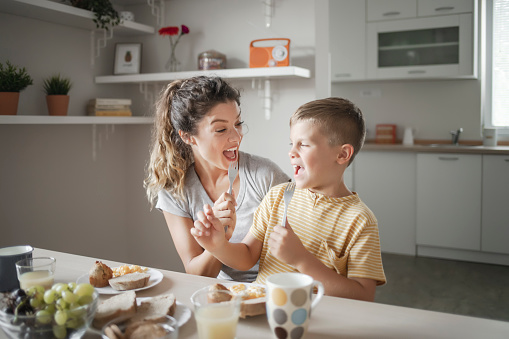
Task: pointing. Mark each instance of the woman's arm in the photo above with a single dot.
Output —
(195, 259)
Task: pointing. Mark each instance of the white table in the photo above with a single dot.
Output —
(332, 318)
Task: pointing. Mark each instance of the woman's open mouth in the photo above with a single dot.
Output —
(231, 154)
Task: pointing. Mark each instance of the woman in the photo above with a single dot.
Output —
(197, 134)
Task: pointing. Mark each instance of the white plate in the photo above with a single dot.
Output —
(182, 312)
(155, 278)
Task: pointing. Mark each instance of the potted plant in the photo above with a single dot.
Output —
(57, 98)
(105, 15)
(12, 81)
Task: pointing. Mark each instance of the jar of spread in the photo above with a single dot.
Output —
(211, 60)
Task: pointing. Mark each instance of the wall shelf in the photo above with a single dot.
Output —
(72, 120)
(67, 15)
(236, 73)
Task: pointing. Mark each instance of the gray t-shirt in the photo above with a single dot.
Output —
(257, 175)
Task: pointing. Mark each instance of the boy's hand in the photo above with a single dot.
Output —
(224, 210)
(286, 246)
(208, 230)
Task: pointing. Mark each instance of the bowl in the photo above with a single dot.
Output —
(26, 326)
(163, 326)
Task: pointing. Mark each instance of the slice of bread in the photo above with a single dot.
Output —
(129, 281)
(123, 304)
(154, 308)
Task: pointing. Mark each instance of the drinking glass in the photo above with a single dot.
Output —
(216, 313)
(39, 271)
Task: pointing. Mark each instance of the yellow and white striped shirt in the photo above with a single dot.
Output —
(341, 232)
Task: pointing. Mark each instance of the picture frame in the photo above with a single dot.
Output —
(127, 58)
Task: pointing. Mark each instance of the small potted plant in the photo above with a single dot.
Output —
(105, 15)
(57, 98)
(13, 80)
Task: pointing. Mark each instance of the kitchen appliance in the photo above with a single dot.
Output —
(269, 53)
(211, 60)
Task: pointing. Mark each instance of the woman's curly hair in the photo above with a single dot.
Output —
(182, 104)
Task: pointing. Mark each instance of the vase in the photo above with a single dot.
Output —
(9, 103)
(57, 104)
(173, 64)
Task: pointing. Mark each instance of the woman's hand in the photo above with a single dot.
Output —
(208, 230)
(224, 210)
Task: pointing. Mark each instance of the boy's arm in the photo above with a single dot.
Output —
(209, 233)
(287, 247)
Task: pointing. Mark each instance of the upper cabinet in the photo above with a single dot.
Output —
(402, 39)
(347, 32)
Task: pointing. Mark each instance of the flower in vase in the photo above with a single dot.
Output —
(171, 32)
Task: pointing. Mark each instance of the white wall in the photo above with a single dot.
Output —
(54, 195)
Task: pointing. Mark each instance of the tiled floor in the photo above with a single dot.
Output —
(458, 287)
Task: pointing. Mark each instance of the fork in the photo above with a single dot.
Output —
(287, 196)
(233, 170)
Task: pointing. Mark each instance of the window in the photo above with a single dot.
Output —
(495, 79)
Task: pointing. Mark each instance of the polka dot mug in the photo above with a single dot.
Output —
(289, 303)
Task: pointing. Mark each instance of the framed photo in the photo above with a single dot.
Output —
(127, 58)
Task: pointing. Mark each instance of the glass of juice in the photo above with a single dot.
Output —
(39, 271)
(216, 313)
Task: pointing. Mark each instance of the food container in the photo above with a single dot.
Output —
(211, 60)
(27, 326)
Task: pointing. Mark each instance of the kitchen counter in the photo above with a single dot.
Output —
(332, 318)
(437, 148)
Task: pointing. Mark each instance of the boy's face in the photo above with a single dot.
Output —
(314, 161)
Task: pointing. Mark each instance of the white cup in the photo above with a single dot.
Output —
(408, 136)
(489, 137)
(289, 303)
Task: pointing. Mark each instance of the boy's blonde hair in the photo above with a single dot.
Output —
(340, 120)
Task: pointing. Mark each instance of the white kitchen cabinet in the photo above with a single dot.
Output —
(385, 181)
(495, 190)
(444, 7)
(433, 47)
(449, 200)
(347, 35)
(378, 10)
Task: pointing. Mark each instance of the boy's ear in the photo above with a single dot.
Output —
(345, 154)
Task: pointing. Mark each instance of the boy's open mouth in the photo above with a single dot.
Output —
(297, 169)
(231, 153)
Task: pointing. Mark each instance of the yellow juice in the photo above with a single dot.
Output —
(216, 322)
(36, 278)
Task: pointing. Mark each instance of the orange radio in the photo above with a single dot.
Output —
(270, 53)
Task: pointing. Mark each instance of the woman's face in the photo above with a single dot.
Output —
(219, 135)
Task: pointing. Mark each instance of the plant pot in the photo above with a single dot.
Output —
(57, 104)
(9, 103)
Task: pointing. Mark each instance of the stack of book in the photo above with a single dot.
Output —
(109, 107)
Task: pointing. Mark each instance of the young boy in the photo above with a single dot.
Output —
(330, 234)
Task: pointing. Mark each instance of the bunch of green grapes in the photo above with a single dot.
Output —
(60, 307)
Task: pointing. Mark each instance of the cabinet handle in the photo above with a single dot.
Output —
(448, 158)
(445, 8)
(506, 160)
(342, 75)
(391, 13)
(417, 71)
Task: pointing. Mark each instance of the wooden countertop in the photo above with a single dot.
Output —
(442, 148)
(332, 318)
